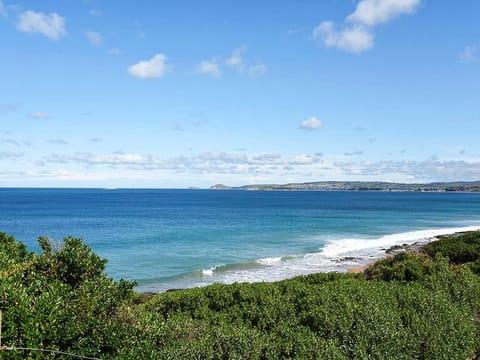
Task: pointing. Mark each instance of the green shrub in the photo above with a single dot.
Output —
(404, 266)
(11, 252)
(59, 300)
(410, 306)
(459, 249)
(475, 267)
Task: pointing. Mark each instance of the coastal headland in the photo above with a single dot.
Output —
(460, 186)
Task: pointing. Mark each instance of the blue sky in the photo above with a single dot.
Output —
(192, 93)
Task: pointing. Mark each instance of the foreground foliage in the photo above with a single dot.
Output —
(411, 306)
(459, 249)
(60, 299)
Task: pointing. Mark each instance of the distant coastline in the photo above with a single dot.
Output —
(458, 186)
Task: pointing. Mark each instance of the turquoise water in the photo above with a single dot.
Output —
(182, 238)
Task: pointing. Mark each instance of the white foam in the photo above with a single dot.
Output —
(336, 255)
(269, 261)
(348, 246)
(209, 272)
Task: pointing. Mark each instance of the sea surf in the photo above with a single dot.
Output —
(165, 239)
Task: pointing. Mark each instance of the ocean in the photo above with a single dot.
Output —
(167, 239)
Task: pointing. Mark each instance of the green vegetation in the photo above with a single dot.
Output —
(459, 249)
(59, 300)
(410, 306)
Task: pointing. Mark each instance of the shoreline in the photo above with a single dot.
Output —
(358, 186)
(333, 257)
(396, 249)
(414, 245)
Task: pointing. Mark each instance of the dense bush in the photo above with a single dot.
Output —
(475, 267)
(318, 316)
(404, 266)
(60, 300)
(409, 306)
(459, 249)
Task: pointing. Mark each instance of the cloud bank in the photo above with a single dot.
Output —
(235, 168)
(271, 167)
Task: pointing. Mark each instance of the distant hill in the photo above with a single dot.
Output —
(459, 186)
(220, 187)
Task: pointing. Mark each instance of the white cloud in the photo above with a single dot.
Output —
(208, 162)
(236, 60)
(358, 36)
(8, 155)
(19, 143)
(94, 38)
(52, 26)
(469, 54)
(118, 158)
(431, 169)
(354, 39)
(374, 12)
(57, 141)
(3, 12)
(11, 142)
(238, 168)
(257, 70)
(354, 153)
(311, 123)
(209, 67)
(148, 69)
(39, 115)
(271, 166)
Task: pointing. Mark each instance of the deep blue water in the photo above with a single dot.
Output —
(172, 238)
